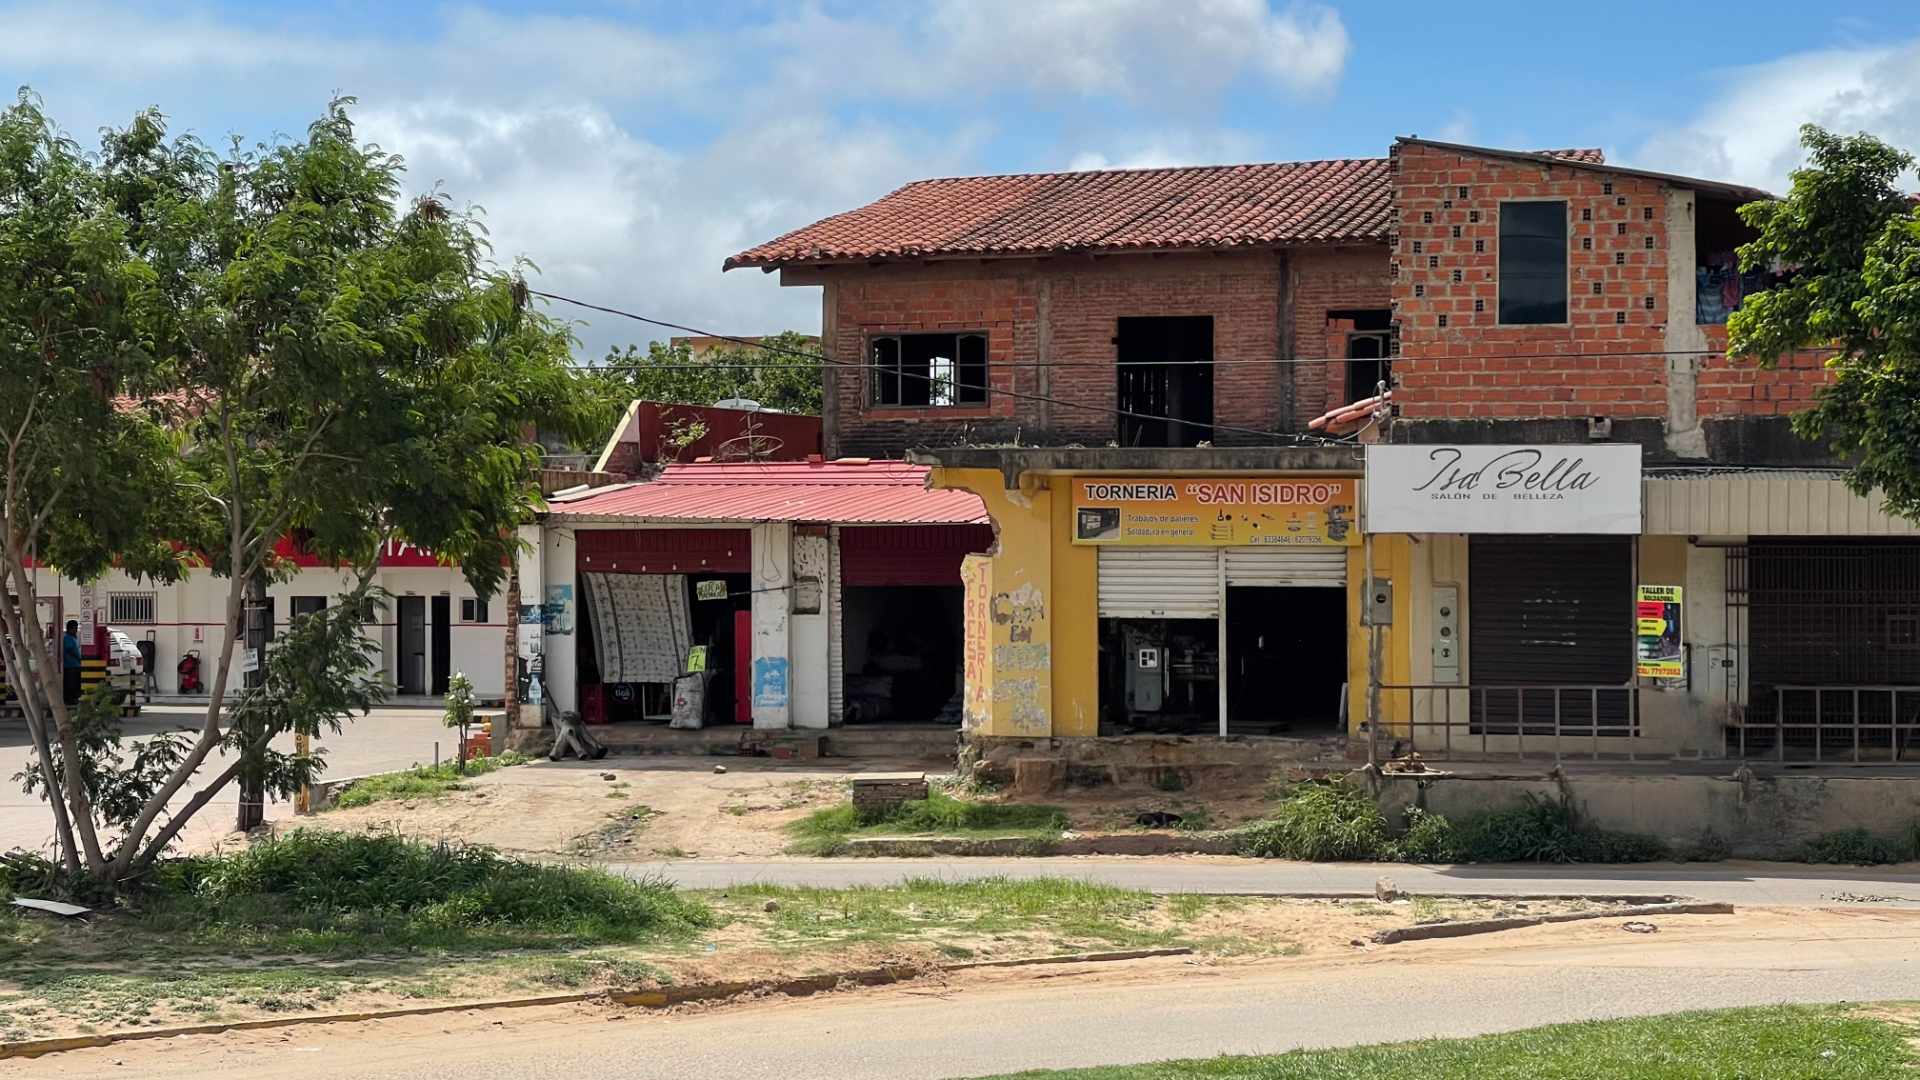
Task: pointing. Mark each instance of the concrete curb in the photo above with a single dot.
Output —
(664, 997)
(916, 847)
(1489, 926)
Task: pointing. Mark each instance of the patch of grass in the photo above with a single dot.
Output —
(1430, 838)
(1543, 829)
(939, 814)
(346, 894)
(421, 781)
(1858, 847)
(1077, 913)
(1318, 822)
(1774, 1043)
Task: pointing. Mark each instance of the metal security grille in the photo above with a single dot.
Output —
(1159, 583)
(131, 608)
(1283, 566)
(1551, 612)
(1833, 648)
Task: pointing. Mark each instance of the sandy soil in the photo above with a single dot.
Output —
(1763, 939)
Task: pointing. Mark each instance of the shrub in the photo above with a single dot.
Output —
(1430, 838)
(1544, 829)
(1319, 822)
(1856, 847)
(421, 781)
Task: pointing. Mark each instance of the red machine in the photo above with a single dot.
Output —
(189, 672)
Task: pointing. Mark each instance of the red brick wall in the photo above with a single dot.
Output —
(1325, 281)
(1473, 367)
(1067, 311)
(1730, 387)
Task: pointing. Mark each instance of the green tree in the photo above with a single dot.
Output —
(784, 375)
(242, 346)
(1852, 239)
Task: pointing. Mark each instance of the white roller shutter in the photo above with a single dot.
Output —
(1160, 583)
(1287, 566)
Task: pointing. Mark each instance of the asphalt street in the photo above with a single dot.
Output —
(1773, 884)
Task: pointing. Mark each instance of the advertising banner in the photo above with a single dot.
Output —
(1657, 632)
(1586, 489)
(1214, 512)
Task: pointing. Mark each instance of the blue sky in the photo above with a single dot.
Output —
(628, 147)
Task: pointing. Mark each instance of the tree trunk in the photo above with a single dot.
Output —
(253, 794)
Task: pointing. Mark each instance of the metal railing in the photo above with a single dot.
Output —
(1833, 723)
(1506, 722)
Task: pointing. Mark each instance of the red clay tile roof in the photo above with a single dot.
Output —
(1588, 155)
(1216, 206)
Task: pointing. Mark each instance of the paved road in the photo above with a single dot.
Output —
(391, 738)
(1733, 882)
(1147, 1013)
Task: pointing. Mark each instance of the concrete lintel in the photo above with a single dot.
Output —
(1013, 461)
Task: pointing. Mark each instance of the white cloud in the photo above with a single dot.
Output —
(1749, 133)
(629, 160)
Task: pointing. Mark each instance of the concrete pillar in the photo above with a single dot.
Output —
(527, 635)
(810, 632)
(1684, 341)
(770, 683)
(560, 599)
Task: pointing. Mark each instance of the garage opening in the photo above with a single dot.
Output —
(903, 654)
(1550, 635)
(1159, 675)
(1166, 380)
(1286, 660)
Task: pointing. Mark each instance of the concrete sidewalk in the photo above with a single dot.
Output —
(1777, 884)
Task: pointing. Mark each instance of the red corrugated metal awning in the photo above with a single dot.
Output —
(851, 491)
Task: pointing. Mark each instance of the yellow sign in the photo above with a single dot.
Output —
(1215, 512)
(1657, 626)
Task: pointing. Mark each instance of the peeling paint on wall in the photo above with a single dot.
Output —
(1018, 610)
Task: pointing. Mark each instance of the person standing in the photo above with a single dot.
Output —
(70, 663)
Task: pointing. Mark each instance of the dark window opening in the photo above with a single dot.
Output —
(473, 609)
(1369, 351)
(307, 605)
(1533, 263)
(929, 369)
(1719, 283)
(1166, 380)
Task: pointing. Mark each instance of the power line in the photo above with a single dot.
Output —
(1017, 394)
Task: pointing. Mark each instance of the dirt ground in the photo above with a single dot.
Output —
(1765, 939)
(643, 808)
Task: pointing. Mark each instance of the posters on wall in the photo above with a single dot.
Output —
(1214, 512)
(1657, 632)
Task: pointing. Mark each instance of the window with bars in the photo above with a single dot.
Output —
(928, 369)
(139, 608)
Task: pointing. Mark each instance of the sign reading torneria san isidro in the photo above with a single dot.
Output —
(1590, 488)
(1215, 511)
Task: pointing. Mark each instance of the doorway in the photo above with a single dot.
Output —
(410, 658)
(902, 653)
(442, 649)
(1286, 660)
(1166, 380)
(1369, 351)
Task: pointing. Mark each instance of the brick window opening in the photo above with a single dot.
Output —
(1586, 213)
(1606, 188)
(1473, 216)
(1446, 204)
(1620, 229)
(1621, 201)
(1443, 322)
(131, 608)
(1646, 213)
(1619, 316)
(929, 369)
(1416, 247)
(1456, 232)
(1649, 303)
(1461, 191)
(1479, 305)
(1433, 262)
(1419, 291)
(1456, 277)
(1165, 371)
(1619, 258)
(1586, 243)
(1533, 263)
(1426, 217)
(1596, 288)
(1479, 247)
(1649, 243)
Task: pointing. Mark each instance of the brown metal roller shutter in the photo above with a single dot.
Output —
(1545, 610)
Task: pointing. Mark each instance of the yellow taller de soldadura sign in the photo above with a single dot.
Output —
(1213, 512)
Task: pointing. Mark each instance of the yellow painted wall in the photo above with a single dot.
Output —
(1076, 623)
(1020, 604)
(1392, 559)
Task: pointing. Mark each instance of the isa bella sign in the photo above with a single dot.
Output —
(1591, 488)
